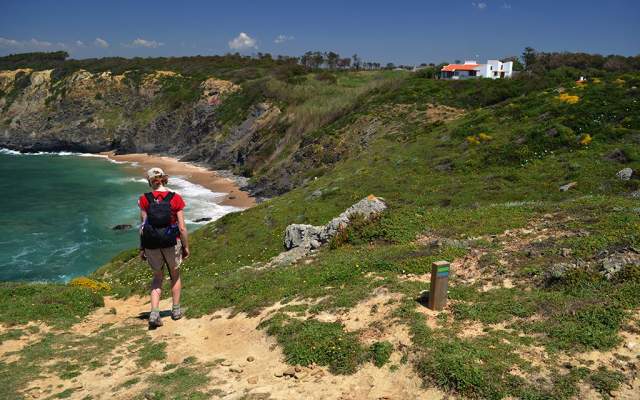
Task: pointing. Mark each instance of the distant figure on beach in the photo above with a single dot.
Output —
(163, 240)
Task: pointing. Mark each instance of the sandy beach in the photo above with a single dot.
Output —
(193, 173)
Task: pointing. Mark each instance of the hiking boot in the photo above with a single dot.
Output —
(176, 313)
(154, 319)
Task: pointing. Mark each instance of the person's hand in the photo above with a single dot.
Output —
(185, 253)
(143, 256)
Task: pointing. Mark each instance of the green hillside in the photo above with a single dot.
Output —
(472, 173)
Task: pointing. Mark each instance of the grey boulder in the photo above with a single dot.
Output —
(625, 174)
(310, 236)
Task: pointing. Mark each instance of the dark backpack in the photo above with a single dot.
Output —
(157, 231)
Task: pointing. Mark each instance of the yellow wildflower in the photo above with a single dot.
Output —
(94, 285)
(484, 137)
(585, 139)
(473, 139)
(568, 98)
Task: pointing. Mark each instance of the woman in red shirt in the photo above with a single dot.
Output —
(171, 256)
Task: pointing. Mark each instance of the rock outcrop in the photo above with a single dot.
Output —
(213, 89)
(309, 236)
(607, 264)
(301, 239)
(625, 174)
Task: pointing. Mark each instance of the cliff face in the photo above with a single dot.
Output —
(96, 112)
(267, 130)
(161, 112)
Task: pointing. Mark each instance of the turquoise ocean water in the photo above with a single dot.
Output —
(58, 210)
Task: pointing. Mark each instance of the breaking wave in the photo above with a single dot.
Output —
(201, 202)
(10, 152)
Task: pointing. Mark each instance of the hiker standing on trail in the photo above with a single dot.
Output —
(163, 240)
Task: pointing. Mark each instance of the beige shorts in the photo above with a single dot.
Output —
(172, 256)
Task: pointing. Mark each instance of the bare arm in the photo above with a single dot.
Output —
(143, 217)
(184, 235)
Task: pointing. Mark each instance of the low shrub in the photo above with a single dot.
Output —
(326, 76)
(95, 286)
(314, 342)
(380, 353)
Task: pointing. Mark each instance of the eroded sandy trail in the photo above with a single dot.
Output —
(239, 359)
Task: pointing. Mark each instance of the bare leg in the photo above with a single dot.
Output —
(156, 289)
(176, 285)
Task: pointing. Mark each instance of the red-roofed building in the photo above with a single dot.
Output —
(493, 69)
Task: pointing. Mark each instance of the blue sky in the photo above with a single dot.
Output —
(399, 31)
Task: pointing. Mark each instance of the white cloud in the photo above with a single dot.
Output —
(40, 43)
(150, 44)
(79, 43)
(4, 42)
(101, 43)
(243, 42)
(506, 6)
(480, 6)
(33, 43)
(282, 38)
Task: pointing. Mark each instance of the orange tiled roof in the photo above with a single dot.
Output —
(460, 67)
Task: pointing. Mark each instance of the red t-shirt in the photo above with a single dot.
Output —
(176, 203)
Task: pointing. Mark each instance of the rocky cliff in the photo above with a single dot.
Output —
(160, 112)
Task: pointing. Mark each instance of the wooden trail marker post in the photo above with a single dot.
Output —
(439, 285)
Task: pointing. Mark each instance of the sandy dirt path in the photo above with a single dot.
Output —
(240, 360)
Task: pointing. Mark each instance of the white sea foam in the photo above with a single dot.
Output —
(67, 251)
(61, 153)
(9, 152)
(201, 202)
(120, 181)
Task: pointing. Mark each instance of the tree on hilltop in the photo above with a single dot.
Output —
(357, 62)
(332, 59)
(529, 57)
(517, 64)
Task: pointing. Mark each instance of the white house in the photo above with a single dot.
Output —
(493, 69)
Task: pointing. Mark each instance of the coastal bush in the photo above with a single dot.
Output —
(22, 81)
(95, 286)
(290, 73)
(178, 91)
(380, 353)
(326, 76)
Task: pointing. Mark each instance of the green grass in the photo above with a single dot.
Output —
(605, 381)
(68, 355)
(380, 353)
(439, 184)
(130, 382)
(314, 342)
(497, 185)
(65, 394)
(113, 119)
(183, 382)
(11, 334)
(151, 351)
(54, 304)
